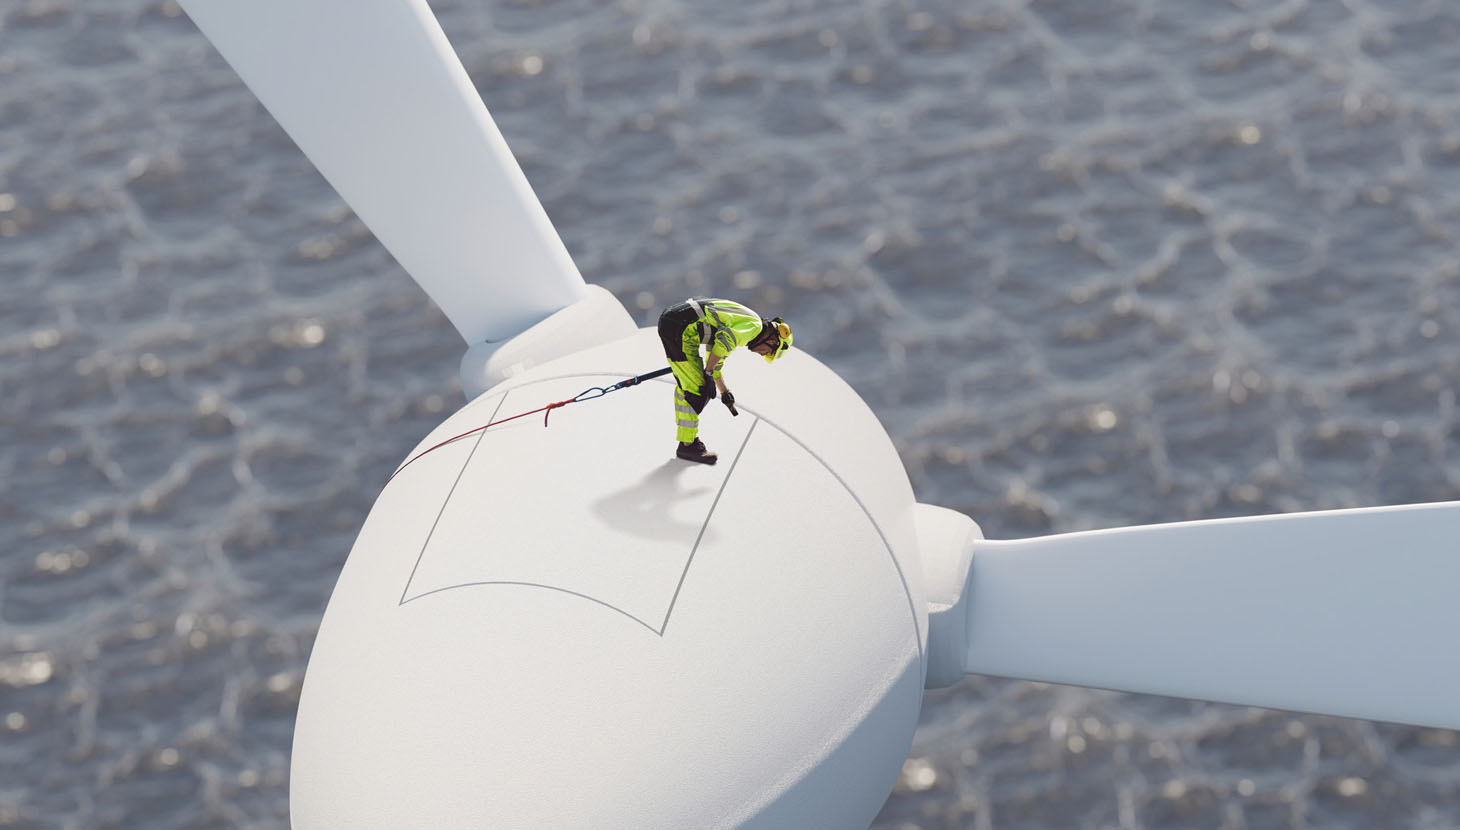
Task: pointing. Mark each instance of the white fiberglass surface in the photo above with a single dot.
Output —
(606, 514)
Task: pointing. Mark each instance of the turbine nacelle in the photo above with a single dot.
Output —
(662, 644)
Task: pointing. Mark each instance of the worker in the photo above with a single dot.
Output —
(720, 326)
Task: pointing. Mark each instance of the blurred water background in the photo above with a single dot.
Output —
(1092, 262)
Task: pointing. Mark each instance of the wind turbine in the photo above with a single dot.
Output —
(556, 628)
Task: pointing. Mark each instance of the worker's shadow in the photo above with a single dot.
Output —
(645, 509)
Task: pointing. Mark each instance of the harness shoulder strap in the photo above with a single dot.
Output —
(699, 311)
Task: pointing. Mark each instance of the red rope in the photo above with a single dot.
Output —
(586, 395)
(546, 410)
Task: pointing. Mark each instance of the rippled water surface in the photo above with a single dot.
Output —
(1092, 263)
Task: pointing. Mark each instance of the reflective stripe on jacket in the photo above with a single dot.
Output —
(725, 325)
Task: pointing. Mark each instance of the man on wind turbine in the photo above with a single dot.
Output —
(720, 326)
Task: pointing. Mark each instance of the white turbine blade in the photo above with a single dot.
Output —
(1346, 612)
(373, 94)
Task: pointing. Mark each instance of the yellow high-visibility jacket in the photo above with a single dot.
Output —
(723, 326)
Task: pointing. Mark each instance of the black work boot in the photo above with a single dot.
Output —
(695, 451)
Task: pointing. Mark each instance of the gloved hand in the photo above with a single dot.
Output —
(729, 399)
(707, 386)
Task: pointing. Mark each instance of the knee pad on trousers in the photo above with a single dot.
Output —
(696, 402)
